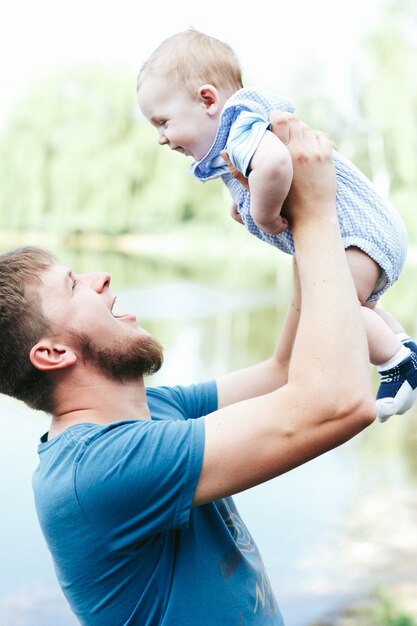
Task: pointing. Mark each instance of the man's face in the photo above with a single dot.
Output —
(182, 122)
(79, 309)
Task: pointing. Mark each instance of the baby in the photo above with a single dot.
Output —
(190, 89)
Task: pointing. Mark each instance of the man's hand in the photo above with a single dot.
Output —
(233, 170)
(314, 180)
(234, 213)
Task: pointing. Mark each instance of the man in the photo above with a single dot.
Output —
(132, 486)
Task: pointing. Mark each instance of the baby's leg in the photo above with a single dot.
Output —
(383, 343)
(395, 363)
(396, 327)
(382, 340)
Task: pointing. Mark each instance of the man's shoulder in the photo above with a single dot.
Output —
(182, 401)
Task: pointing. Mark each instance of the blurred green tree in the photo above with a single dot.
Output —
(390, 102)
(377, 130)
(76, 158)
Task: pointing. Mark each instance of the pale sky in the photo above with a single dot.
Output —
(271, 40)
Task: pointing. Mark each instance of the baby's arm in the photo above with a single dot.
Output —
(270, 177)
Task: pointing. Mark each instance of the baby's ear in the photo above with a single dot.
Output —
(47, 355)
(209, 97)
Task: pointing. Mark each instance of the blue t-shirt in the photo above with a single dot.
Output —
(114, 504)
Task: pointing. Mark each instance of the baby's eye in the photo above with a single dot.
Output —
(74, 284)
(162, 122)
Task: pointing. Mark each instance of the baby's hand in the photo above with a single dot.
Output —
(280, 225)
(234, 214)
(276, 227)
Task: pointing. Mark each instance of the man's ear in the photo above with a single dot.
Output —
(47, 355)
(209, 98)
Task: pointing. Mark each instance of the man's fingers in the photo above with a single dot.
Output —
(288, 128)
(307, 142)
(324, 139)
(280, 125)
(225, 156)
(233, 170)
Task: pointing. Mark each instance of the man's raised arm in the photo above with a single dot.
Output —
(328, 397)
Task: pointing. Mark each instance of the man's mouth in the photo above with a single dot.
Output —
(124, 316)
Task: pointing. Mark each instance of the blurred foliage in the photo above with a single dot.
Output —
(381, 609)
(390, 100)
(380, 132)
(76, 158)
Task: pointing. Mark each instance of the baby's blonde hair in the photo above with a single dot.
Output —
(192, 59)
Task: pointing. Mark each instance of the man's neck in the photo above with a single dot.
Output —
(98, 400)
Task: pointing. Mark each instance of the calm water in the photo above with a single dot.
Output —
(300, 521)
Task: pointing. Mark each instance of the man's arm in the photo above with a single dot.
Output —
(270, 374)
(269, 179)
(321, 405)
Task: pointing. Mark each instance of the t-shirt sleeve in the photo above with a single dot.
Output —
(138, 478)
(184, 401)
(244, 136)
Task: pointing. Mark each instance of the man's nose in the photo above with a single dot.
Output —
(99, 281)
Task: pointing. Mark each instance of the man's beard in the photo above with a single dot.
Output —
(125, 360)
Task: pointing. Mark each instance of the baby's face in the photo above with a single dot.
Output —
(182, 122)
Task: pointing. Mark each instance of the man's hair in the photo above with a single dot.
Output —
(22, 324)
(192, 59)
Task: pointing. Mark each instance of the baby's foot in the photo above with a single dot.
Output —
(398, 388)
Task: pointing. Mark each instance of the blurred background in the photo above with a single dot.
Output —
(81, 174)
